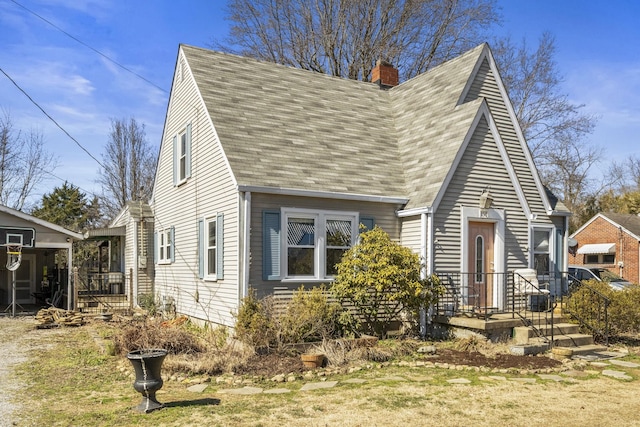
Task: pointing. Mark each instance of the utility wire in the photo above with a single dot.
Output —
(90, 47)
(52, 119)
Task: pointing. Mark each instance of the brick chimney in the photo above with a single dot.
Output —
(384, 74)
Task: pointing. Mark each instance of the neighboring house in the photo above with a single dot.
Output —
(43, 272)
(265, 173)
(611, 241)
(124, 270)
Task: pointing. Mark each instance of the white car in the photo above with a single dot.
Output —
(578, 273)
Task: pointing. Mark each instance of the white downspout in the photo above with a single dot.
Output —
(425, 257)
(246, 246)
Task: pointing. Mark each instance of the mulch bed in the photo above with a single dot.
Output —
(498, 361)
(272, 364)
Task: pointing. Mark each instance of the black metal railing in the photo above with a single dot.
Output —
(589, 307)
(533, 300)
(471, 294)
(533, 303)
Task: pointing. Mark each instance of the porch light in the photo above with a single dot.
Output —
(485, 199)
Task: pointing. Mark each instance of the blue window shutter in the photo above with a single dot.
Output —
(173, 244)
(367, 222)
(201, 248)
(155, 247)
(187, 171)
(175, 161)
(220, 246)
(271, 245)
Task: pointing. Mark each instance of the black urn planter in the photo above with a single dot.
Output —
(147, 364)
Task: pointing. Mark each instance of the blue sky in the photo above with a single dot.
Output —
(597, 53)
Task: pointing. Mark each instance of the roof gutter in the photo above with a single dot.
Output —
(323, 194)
(559, 213)
(401, 213)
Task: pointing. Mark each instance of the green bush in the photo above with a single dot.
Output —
(255, 322)
(148, 302)
(380, 279)
(623, 310)
(309, 316)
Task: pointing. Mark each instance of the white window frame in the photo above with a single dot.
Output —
(182, 156)
(164, 246)
(209, 222)
(320, 242)
(552, 244)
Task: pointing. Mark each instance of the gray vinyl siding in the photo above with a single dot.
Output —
(130, 218)
(383, 214)
(209, 191)
(411, 232)
(485, 86)
(480, 166)
(146, 269)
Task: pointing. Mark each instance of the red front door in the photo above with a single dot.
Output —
(480, 262)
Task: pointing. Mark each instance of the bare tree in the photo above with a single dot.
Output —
(128, 166)
(554, 128)
(546, 115)
(24, 163)
(346, 37)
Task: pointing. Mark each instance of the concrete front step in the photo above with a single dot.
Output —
(539, 345)
(568, 352)
(523, 334)
(572, 340)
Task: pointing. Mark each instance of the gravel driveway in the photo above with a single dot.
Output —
(15, 341)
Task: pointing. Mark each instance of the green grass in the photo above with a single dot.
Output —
(69, 382)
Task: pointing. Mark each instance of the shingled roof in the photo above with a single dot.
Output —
(629, 222)
(288, 128)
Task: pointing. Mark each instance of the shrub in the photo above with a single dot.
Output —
(255, 322)
(148, 303)
(623, 311)
(310, 316)
(153, 333)
(379, 279)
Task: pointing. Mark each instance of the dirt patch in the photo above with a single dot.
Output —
(269, 365)
(497, 361)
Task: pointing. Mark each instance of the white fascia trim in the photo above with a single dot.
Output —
(41, 222)
(53, 245)
(164, 127)
(483, 111)
(322, 194)
(486, 54)
(402, 213)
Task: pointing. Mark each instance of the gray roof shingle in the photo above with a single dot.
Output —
(288, 128)
(630, 222)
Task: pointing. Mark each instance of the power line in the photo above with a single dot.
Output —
(90, 47)
(52, 119)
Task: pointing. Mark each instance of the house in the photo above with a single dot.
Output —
(610, 241)
(43, 264)
(124, 269)
(265, 173)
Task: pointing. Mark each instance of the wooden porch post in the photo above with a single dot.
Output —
(75, 290)
(131, 288)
